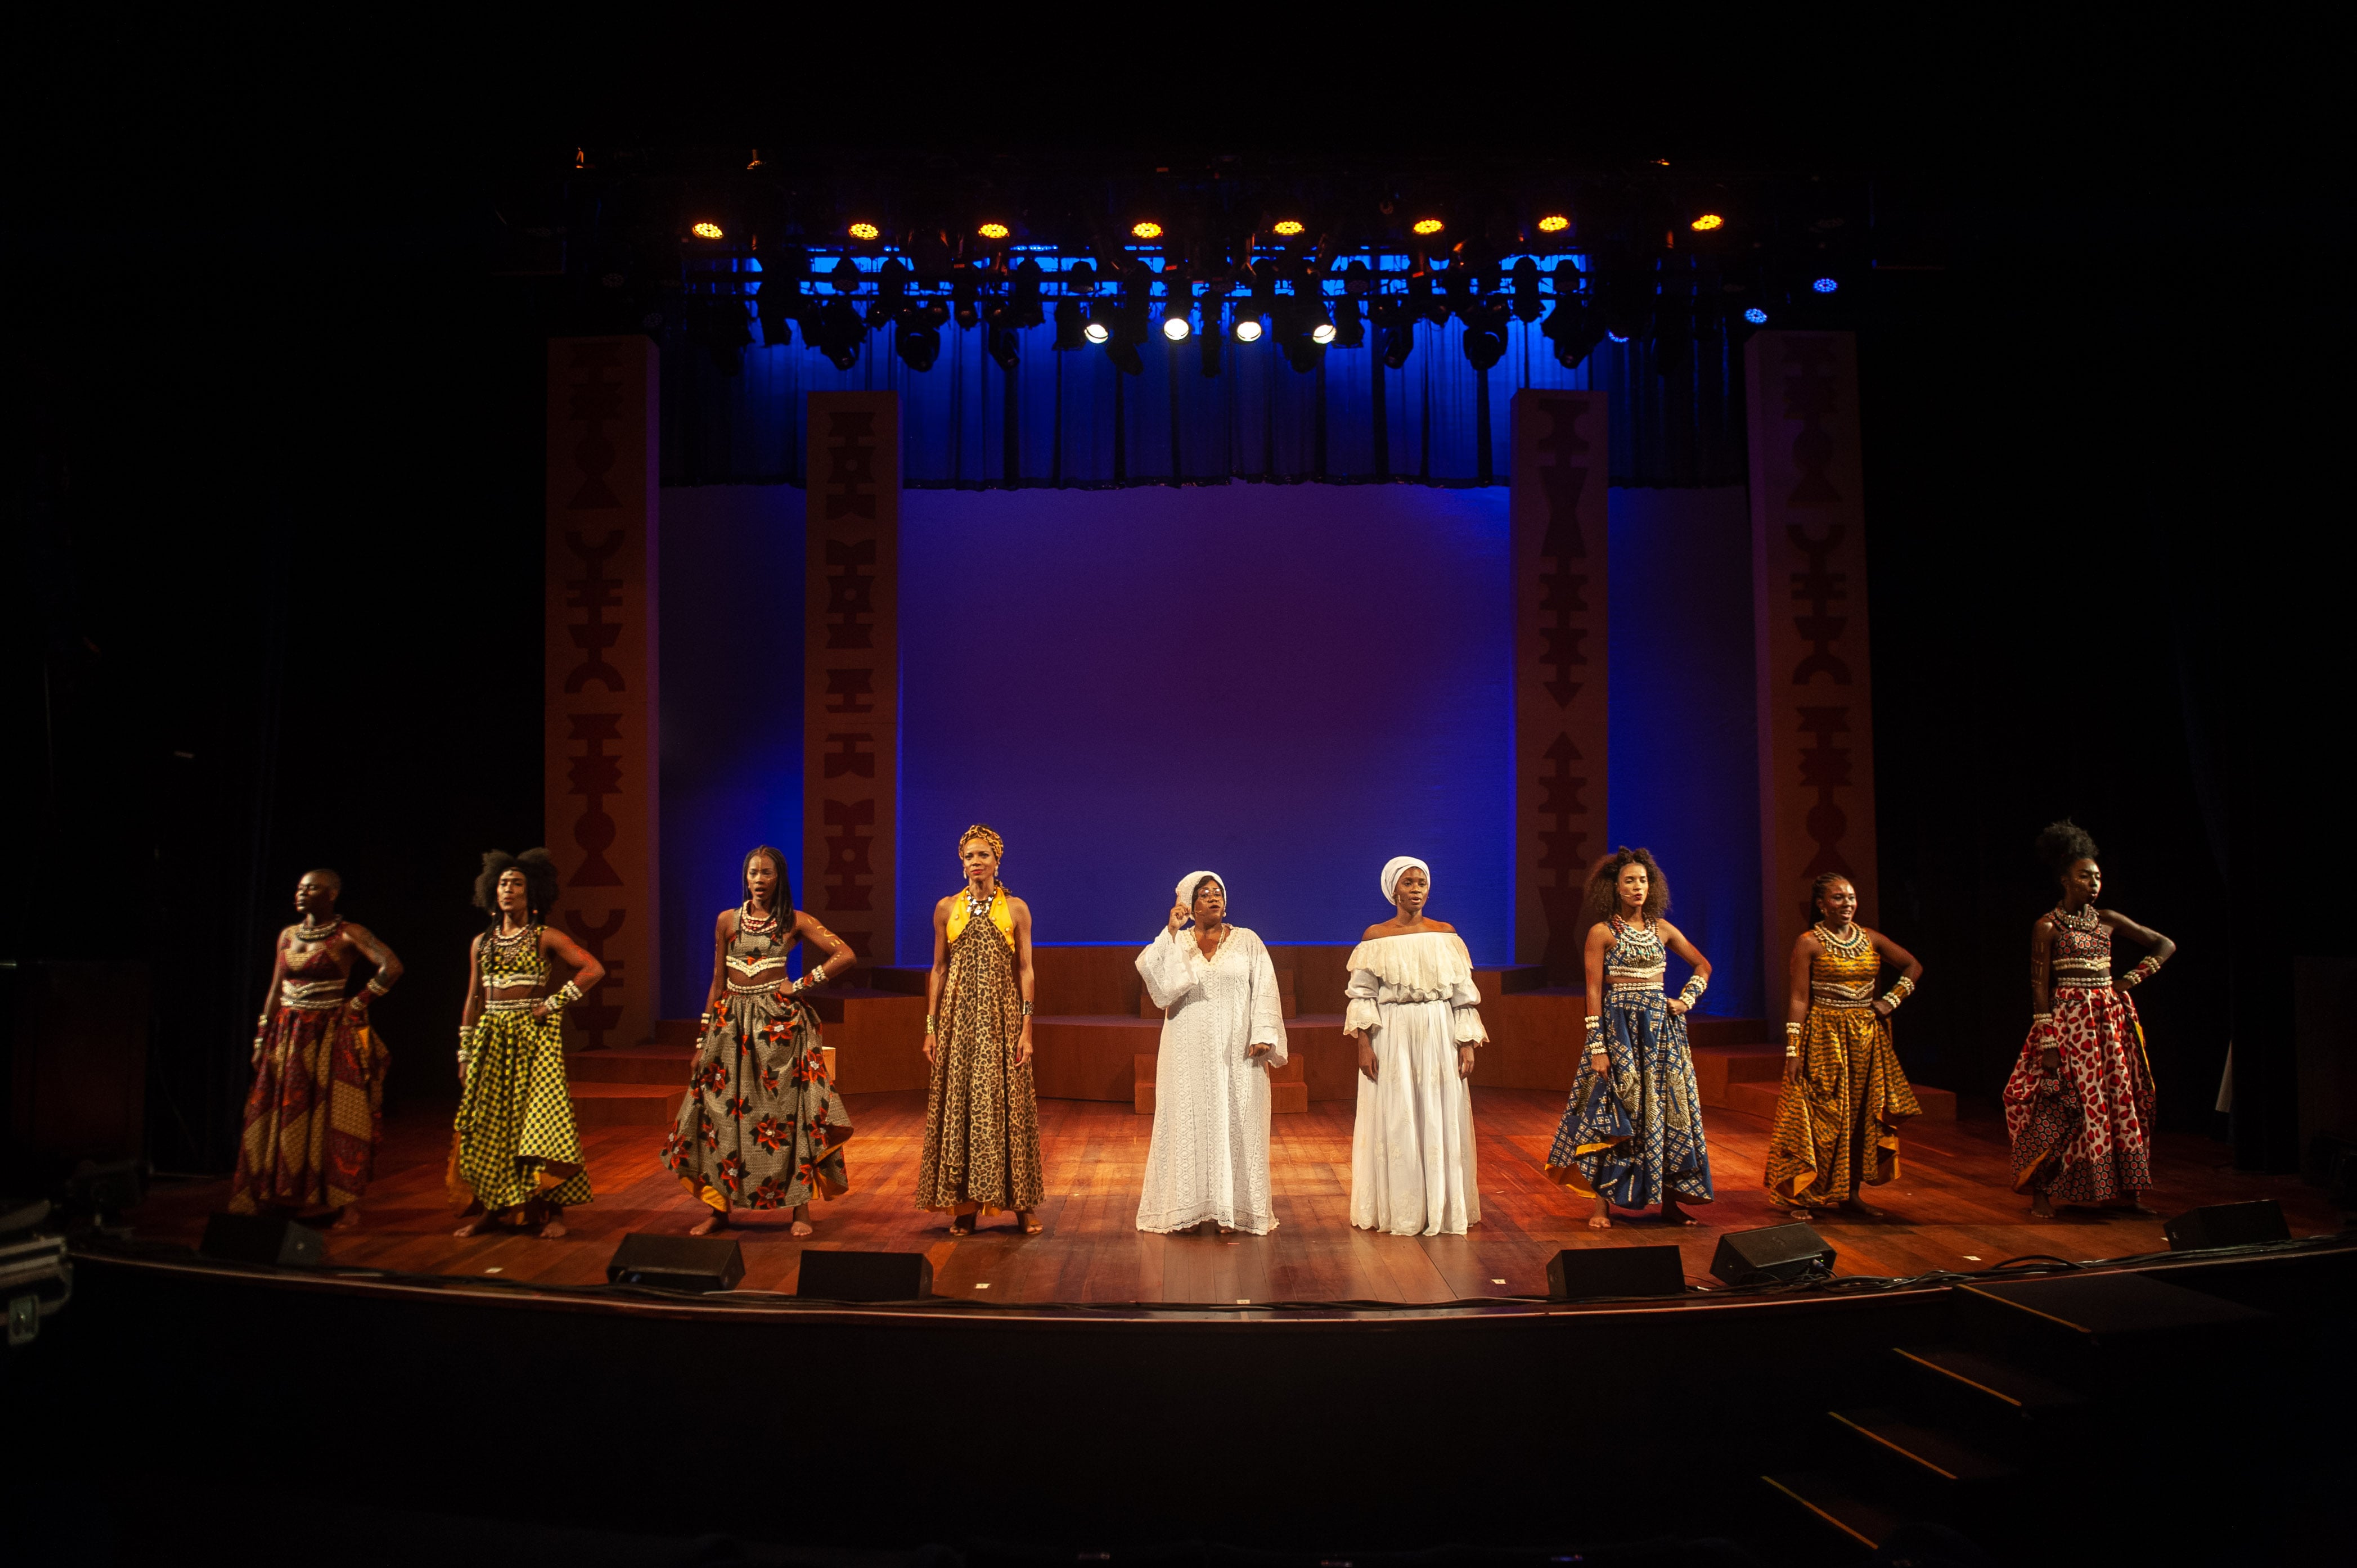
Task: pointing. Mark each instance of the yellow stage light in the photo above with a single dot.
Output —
(1554, 223)
(1707, 222)
(864, 230)
(1429, 225)
(1288, 227)
(707, 230)
(1148, 230)
(992, 230)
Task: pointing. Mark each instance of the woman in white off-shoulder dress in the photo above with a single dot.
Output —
(1415, 1013)
(1223, 1029)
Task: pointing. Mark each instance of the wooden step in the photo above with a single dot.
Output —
(1756, 1098)
(1831, 1502)
(2003, 1385)
(1718, 1067)
(625, 1104)
(1926, 1450)
(2109, 1307)
(636, 1064)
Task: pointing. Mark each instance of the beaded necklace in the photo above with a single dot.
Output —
(977, 908)
(1850, 946)
(2084, 922)
(506, 946)
(748, 924)
(308, 932)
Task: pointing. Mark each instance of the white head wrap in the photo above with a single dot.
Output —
(1186, 884)
(1391, 870)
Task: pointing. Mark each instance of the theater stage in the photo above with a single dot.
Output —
(1951, 1210)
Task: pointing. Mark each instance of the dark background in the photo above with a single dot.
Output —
(273, 549)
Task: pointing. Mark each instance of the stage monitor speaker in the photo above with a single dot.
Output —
(865, 1276)
(699, 1263)
(2227, 1225)
(263, 1239)
(1776, 1253)
(1616, 1271)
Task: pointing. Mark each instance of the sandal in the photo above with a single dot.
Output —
(961, 1224)
(1030, 1223)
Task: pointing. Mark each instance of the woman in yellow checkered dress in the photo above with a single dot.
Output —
(1845, 1093)
(518, 1152)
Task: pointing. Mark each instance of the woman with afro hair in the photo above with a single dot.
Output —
(518, 1153)
(2079, 1104)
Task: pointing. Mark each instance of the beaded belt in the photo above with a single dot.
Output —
(1835, 994)
(511, 1005)
(311, 995)
(769, 990)
(2083, 981)
(1653, 984)
(2082, 972)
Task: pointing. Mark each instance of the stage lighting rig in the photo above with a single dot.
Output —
(1826, 285)
(993, 232)
(1429, 226)
(1485, 332)
(1571, 327)
(1023, 294)
(705, 230)
(1554, 223)
(1145, 228)
(964, 286)
(1757, 317)
(1246, 326)
(1175, 325)
(1070, 322)
(838, 333)
(1001, 343)
(1349, 330)
(1286, 228)
(777, 303)
(1707, 222)
(866, 233)
(1097, 329)
(1525, 275)
(917, 333)
(1320, 321)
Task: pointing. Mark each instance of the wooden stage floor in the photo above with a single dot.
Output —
(1951, 1209)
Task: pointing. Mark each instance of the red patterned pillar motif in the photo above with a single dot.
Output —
(1808, 587)
(601, 682)
(1557, 508)
(851, 668)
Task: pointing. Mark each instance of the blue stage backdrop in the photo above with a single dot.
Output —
(1286, 685)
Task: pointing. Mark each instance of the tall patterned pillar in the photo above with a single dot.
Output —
(851, 664)
(1808, 585)
(600, 744)
(1557, 505)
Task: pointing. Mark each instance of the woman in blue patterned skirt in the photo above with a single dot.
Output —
(1632, 1134)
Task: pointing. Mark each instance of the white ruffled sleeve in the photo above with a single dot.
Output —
(1360, 1016)
(1465, 1013)
(1164, 968)
(1268, 1007)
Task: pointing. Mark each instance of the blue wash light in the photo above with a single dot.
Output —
(1757, 317)
(1826, 285)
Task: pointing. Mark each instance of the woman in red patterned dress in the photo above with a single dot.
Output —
(2079, 1104)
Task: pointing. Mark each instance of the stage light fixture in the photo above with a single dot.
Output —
(1147, 230)
(1071, 323)
(1247, 326)
(1485, 333)
(1554, 223)
(1320, 321)
(917, 334)
(1574, 330)
(1429, 226)
(1001, 343)
(1097, 331)
(1757, 317)
(1023, 294)
(706, 230)
(992, 230)
(1826, 285)
(1288, 227)
(1526, 289)
(1617, 336)
(1397, 323)
(865, 232)
(838, 335)
(1349, 330)
(1176, 329)
(1707, 222)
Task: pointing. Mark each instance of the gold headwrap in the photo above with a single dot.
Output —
(987, 834)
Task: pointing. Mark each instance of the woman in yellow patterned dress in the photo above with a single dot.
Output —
(982, 1113)
(1845, 1093)
(518, 1151)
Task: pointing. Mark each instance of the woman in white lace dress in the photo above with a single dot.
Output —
(1223, 1029)
(1415, 1013)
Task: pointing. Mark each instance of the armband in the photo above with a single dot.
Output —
(1898, 993)
(2146, 967)
(928, 1025)
(2041, 1029)
(1026, 1009)
(1694, 986)
(1792, 1039)
(564, 996)
(376, 985)
(1594, 1034)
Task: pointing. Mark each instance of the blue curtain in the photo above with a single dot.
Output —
(1071, 418)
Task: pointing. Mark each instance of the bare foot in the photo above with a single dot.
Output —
(1602, 1219)
(961, 1224)
(803, 1226)
(1672, 1215)
(1025, 1222)
(552, 1230)
(477, 1225)
(715, 1222)
(2040, 1208)
(350, 1219)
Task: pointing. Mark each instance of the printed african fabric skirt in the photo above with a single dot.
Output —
(982, 1112)
(761, 1126)
(314, 1115)
(1634, 1133)
(2083, 1136)
(516, 1116)
(1838, 1114)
